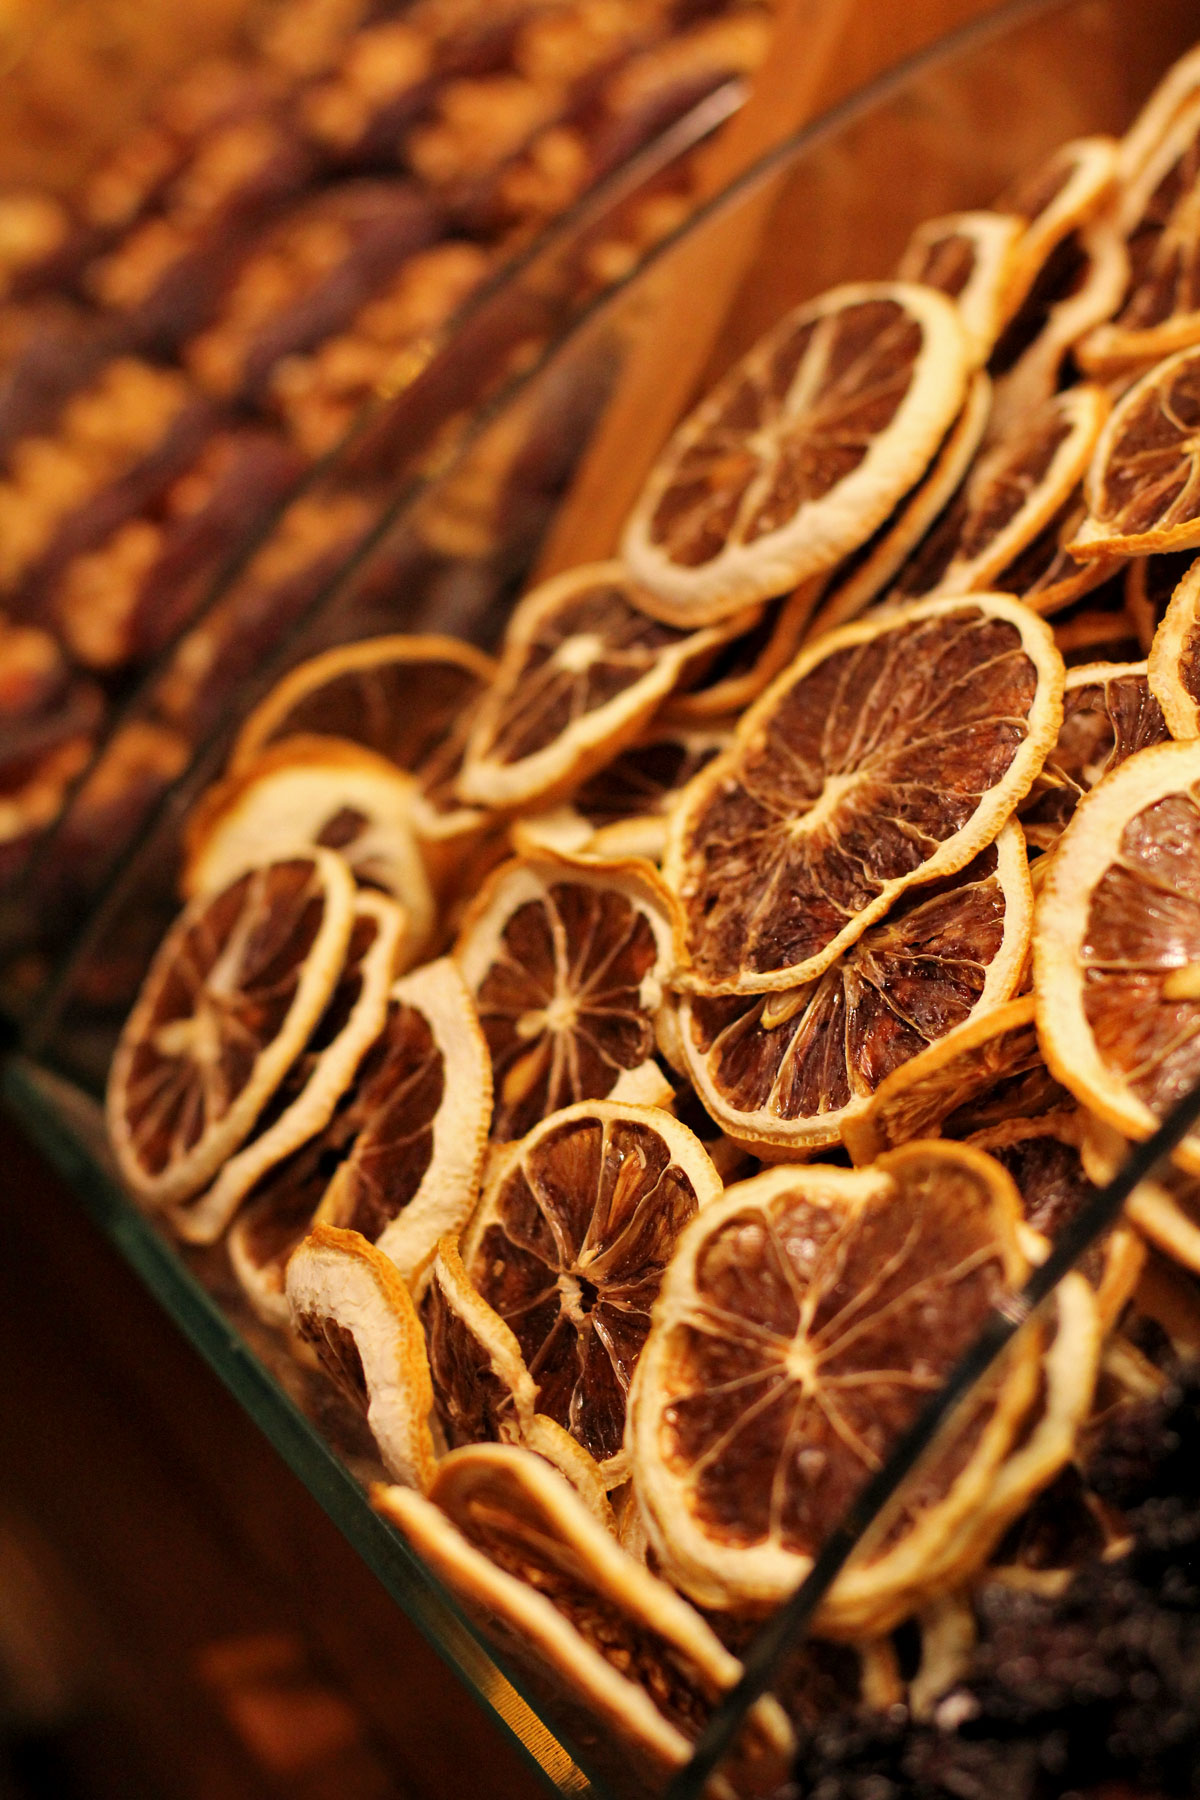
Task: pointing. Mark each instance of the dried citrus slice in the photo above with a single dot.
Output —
(1099, 627)
(1109, 714)
(1015, 489)
(1173, 668)
(1149, 583)
(575, 1227)
(787, 1070)
(1070, 187)
(583, 669)
(349, 1304)
(984, 1072)
(741, 669)
(229, 1002)
(1178, 86)
(481, 1388)
(419, 1107)
(315, 791)
(888, 754)
(803, 1322)
(1165, 1209)
(869, 570)
(1117, 944)
(305, 1100)
(971, 257)
(1143, 485)
(566, 960)
(801, 450)
(543, 1578)
(410, 699)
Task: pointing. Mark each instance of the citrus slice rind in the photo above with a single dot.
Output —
(766, 1396)
(482, 1390)
(359, 1005)
(1149, 583)
(801, 450)
(349, 1304)
(1045, 575)
(1109, 713)
(566, 960)
(414, 1170)
(230, 1000)
(887, 755)
(583, 669)
(315, 791)
(1173, 667)
(1178, 86)
(1068, 189)
(1143, 484)
(410, 699)
(940, 957)
(555, 1445)
(742, 668)
(1117, 941)
(1164, 1209)
(972, 258)
(568, 1245)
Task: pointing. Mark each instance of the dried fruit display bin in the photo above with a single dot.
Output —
(449, 548)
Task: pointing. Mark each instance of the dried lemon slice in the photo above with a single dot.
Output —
(803, 1321)
(229, 1002)
(1143, 485)
(984, 1072)
(566, 960)
(1173, 669)
(575, 1227)
(528, 1561)
(787, 1070)
(481, 1388)
(304, 1102)
(410, 699)
(315, 791)
(888, 754)
(1109, 714)
(349, 1304)
(1117, 944)
(973, 258)
(1068, 189)
(583, 669)
(741, 669)
(801, 450)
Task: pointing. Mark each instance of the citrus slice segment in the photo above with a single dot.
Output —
(527, 1559)
(230, 1000)
(803, 1322)
(569, 1243)
(787, 1070)
(1149, 583)
(888, 754)
(1173, 668)
(801, 450)
(1109, 714)
(349, 1304)
(481, 1388)
(740, 670)
(315, 791)
(982, 1073)
(305, 1099)
(1014, 490)
(583, 669)
(1143, 484)
(1117, 944)
(410, 699)
(973, 258)
(566, 960)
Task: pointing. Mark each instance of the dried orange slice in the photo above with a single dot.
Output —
(1149, 583)
(803, 1322)
(575, 1227)
(1143, 485)
(973, 258)
(583, 669)
(545, 1581)
(1109, 714)
(1016, 488)
(985, 1072)
(801, 451)
(410, 699)
(741, 669)
(1117, 945)
(1173, 668)
(566, 960)
(787, 1070)
(229, 1002)
(1069, 188)
(349, 1304)
(482, 1389)
(315, 791)
(1045, 575)
(888, 754)
(305, 1100)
